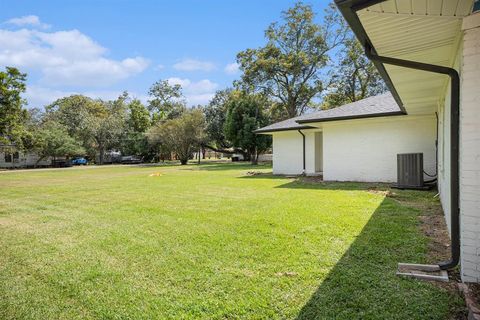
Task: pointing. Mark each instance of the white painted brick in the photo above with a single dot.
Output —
(468, 278)
(470, 220)
(468, 227)
(471, 258)
(469, 249)
(469, 244)
(469, 265)
(470, 156)
(469, 235)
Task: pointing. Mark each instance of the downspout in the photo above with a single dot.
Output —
(454, 141)
(303, 150)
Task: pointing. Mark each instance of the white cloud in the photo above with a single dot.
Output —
(183, 82)
(194, 65)
(196, 92)
(30, 20)
(159, 67)
(197, 99)
(39, 96)
(65, 58)
(231, 68)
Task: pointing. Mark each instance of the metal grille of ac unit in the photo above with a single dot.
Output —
(410, 170)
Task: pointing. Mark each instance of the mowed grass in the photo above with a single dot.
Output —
(207, 242)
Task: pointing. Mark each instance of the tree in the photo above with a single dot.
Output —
(182, 135)
(52, 140)
(245, 114)
(98, 125)
(12, 114)
(77, 114)
(289, 66)
(215, 113)
(134, 140)
(108, 127)
(353, 78)
(139, 117)
(167, 100)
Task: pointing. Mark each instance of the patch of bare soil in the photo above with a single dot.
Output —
(471, 292)
(433, 225)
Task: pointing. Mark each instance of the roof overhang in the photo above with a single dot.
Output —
(268, 131)
(376, 115)
(427, 31)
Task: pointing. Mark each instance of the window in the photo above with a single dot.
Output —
(12, 157)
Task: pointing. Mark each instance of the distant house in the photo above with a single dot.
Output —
(18, 159)
(358, 141)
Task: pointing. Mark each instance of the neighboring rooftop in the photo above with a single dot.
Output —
(377, 106)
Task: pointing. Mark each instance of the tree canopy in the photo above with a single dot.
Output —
(12, 114)
(289, 67)
(166, 100)
(353, 78)
(246, 113)
(182, 135)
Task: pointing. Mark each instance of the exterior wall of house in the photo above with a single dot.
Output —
(366, 149)
(470, 150)
(318, 151)
(288, 152)
(444, 145)
(24, 160)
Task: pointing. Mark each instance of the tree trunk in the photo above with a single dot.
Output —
(204, 151)
(101, 155)
(254, 158)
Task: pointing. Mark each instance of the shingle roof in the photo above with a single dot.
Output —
(381, 105)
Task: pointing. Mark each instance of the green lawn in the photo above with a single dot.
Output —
(207, 242)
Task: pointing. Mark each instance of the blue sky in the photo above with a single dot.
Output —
(100, 48)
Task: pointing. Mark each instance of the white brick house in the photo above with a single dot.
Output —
(414, 45)
(358, 141)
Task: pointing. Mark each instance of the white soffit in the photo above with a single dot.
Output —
(426, 31)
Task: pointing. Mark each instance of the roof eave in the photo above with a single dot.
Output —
(283, 129)
(376, 115)
(348, 9)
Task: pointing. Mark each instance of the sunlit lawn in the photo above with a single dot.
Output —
(206, 242)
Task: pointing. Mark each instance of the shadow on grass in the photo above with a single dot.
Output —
(363, 284)
(317, 183)
(224, 166)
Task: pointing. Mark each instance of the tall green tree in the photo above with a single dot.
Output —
(215, 115)
(52, 140)
(139, 117)
(354, 77)
(109, 127)
(12, 114)
(78, 114)
(246, 113)
(182, 135)
(166, 101)
(98, 125)
(289, 67)
(138, 122)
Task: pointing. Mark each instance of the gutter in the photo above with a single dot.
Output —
(401, 112)
(348, 9)
(454, 141)
(303, 136)
(266, 131)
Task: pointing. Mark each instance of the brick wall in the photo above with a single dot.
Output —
(470, 150)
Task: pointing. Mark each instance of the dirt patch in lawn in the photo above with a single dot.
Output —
(434, 227)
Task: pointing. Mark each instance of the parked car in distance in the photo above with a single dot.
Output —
(131, 159)
(79, 161)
